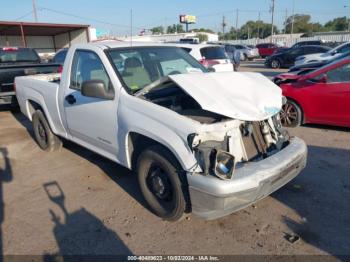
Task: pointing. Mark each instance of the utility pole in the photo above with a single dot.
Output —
(223, 24)
(292, 29)
(130, 27)
(258, 25)
(272, 14)
(285, 22)
(237, 13)
(35, 13)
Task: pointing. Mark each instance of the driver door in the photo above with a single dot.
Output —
(91, 121)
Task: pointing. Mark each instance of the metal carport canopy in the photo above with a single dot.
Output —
(23, 29)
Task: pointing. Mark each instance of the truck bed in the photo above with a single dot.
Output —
(40, 89)
(9, 71)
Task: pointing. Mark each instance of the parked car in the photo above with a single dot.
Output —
(299, 44)
(247, 53)
(321, 96)
(319, 57)
(213, 57)
(60, 56)
(314, 65)
(286, 59)
(17, 61)
(208, 143)
(266, 49)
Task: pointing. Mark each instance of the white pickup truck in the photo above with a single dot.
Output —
(202, 142)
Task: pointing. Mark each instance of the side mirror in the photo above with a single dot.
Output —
(96, 88)
(334, 52)
(323, 79)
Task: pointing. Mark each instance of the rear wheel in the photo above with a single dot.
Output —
(160, 183)
(46, 140)
(291, 114)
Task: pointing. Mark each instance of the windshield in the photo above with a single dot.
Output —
(140, 66)
(13, 55)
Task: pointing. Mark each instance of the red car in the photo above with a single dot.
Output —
(321, 96)
(266, 49)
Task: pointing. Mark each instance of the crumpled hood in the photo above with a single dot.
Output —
(244, 96)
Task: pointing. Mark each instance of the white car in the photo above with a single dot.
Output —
(203, 142)
(323, 57)
(213, 57)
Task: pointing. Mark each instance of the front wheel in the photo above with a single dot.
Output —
(160, 183)
(275, 64)
(291, 114)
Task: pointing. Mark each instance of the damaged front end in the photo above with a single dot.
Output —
(248, 141)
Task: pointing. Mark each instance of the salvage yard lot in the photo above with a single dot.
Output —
(100, 209)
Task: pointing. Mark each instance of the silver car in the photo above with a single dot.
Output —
(247, 53)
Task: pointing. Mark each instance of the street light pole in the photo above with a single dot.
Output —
(35, 11)
(272, 14)
(292, 29)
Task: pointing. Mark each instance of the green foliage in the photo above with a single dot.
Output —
(175, 28)
(202, 37)
(249, 30)
(157, 30)
(337, 24)
(207, 30)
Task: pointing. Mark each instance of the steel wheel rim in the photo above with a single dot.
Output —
(289, 114)
(158, 183)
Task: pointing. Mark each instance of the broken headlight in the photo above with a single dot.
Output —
(224, 165)
(213, 158)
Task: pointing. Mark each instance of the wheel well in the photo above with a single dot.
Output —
(33, 106)
(137, 143)
(301, 109)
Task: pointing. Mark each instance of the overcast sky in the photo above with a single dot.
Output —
(115, 15)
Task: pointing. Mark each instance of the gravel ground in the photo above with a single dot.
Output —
(76, 202)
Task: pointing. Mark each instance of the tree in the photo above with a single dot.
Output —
(337, 24)
(202, 37)
(207, 30)
(157, 30)
(175, 29)
(302, 24)
(251, 29)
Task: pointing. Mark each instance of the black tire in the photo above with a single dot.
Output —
(44, 137)
(291, 114)
(275, 64)
(166, 199)
(245, 57)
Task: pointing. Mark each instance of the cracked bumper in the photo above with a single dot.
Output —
(212, 198)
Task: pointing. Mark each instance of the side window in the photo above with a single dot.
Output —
(188, 50)
(296, 51)
(87, 66)
(344, 49)
(340, 74)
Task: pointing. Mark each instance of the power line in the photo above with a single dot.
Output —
(23, 16)
(87, 18)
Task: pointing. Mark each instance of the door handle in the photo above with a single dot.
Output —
(71, 99)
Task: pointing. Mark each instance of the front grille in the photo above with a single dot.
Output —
(253, 140)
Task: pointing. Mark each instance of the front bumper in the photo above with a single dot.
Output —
(212, 198)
